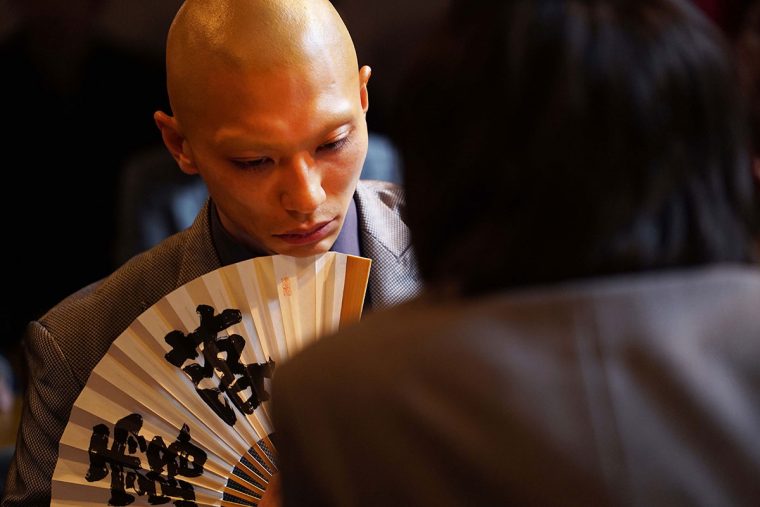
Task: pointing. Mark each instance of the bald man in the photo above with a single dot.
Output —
(269, 107)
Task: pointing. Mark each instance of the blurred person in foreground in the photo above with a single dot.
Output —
(581, 205)
(740, 22)
(269, 107)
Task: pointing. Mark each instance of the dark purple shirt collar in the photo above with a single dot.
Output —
(230, 251)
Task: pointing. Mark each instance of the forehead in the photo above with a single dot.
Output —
(265, 102)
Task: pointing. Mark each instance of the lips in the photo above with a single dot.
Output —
(308, 235)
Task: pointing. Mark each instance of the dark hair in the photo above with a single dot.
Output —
(545, 140)
(740, 22)
(729, 15)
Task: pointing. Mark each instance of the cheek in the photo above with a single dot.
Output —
(251, 215)
(343, 173)
(243, 197)
(354, 159)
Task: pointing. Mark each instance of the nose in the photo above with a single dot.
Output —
(302, 191)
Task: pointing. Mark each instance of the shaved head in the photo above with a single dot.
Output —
(249, 36)
(269, 107)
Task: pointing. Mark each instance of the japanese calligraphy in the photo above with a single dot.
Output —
(181, 458)
(239, 383)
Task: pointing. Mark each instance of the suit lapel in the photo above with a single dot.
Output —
(385, 238)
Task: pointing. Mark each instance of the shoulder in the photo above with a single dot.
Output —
(363, 356)
(86, 323)
(332, 397)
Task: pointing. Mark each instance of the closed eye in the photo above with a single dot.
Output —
(253, 163)
(334, 145)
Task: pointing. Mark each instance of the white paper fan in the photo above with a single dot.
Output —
(176, 411)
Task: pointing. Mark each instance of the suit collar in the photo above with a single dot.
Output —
(379, 222)
(199, 256)
(385, 239)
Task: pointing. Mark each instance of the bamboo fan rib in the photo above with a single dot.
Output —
(176, 411)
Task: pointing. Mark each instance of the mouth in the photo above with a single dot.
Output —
(308, 235)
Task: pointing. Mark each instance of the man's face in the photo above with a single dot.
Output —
(281, 152)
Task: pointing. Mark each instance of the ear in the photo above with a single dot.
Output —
(175, 142)
(364, 74)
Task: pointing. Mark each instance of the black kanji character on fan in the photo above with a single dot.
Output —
(221, 354)
(183, 346)
(125, 438)
(234, 377)
(180, 458)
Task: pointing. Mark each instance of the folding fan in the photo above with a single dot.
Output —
(176, 412)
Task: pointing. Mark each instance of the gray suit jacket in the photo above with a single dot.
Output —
(641, 391)
(66, 344)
